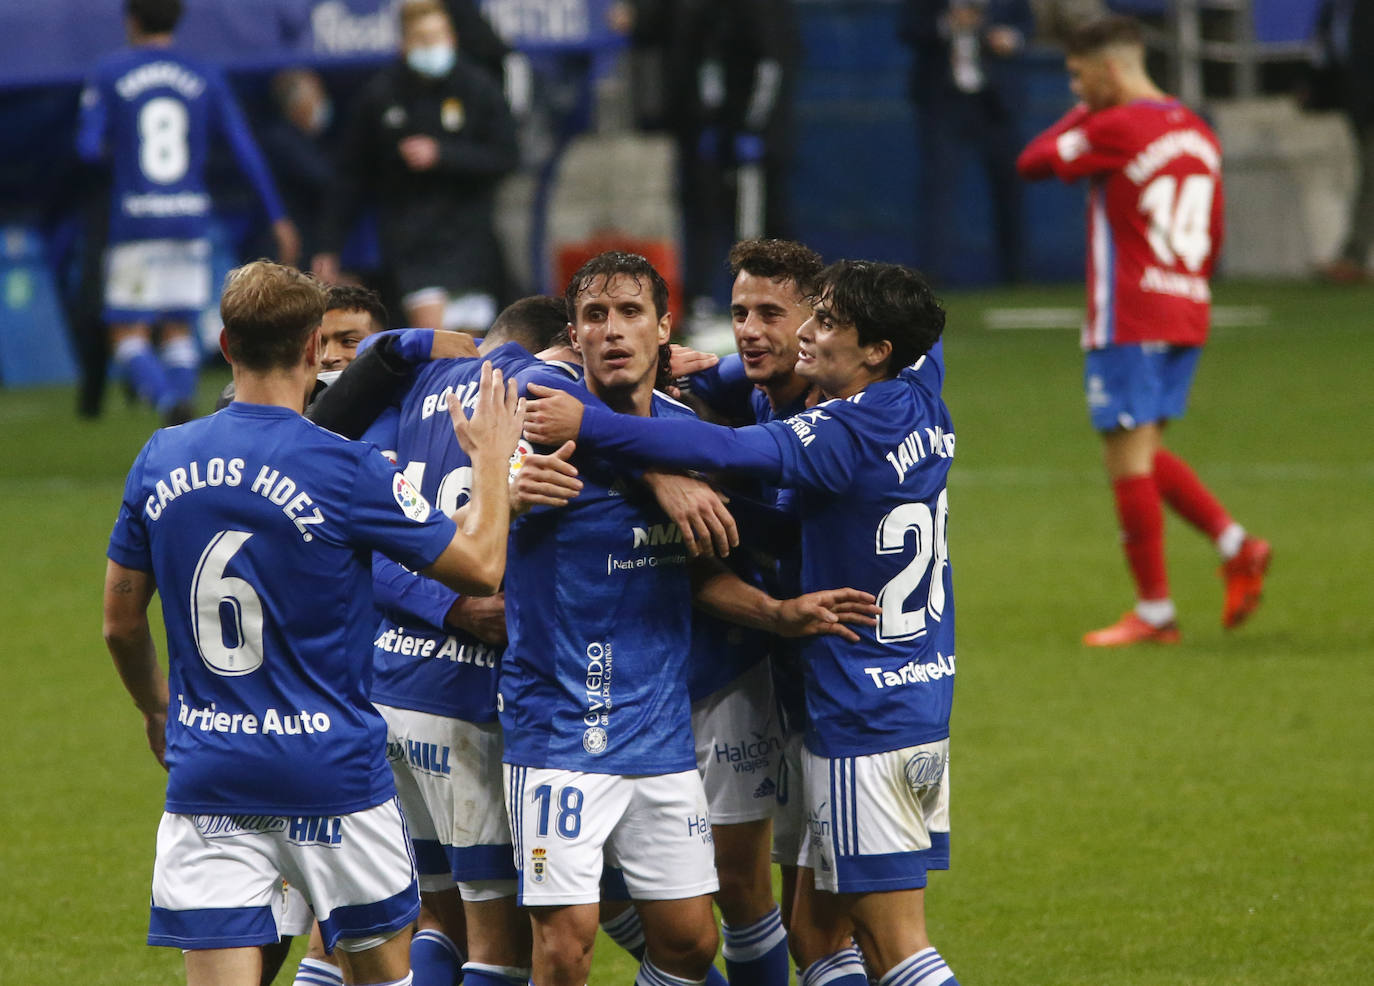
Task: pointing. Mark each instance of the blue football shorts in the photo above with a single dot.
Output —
(1132, 385)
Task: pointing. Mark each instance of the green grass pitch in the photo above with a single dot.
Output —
(1197, 815)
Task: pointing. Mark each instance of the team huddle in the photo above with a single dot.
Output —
(600, 742)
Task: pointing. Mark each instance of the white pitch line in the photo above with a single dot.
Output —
(1004, 319)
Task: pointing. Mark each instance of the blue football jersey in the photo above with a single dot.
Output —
(867, 480)
(870, 474)
(420, 665)
(151, 113)
(259, 528)
(598, 612)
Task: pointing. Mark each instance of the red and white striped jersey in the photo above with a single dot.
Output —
(1154, 216)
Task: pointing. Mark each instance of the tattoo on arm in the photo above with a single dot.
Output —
(123, 587)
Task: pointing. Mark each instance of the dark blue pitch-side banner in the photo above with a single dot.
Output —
(56, 41)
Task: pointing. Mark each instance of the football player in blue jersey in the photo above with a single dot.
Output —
(435, 678)
(748, 748)
(600, 761)
(149, 113)
(255, 526)
(866, 466)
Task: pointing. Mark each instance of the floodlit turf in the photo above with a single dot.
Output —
(1196, 815)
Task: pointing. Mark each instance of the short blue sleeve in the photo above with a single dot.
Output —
(129, 539)
(389, 515)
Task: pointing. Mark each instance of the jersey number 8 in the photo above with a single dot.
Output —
(162, 150)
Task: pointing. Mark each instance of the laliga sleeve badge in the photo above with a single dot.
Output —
(538, 862)
(452, 116)
(517, 458)
(412, 504)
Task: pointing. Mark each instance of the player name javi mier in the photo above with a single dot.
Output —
(270, 483)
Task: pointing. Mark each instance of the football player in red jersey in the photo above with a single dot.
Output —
(1154, 229)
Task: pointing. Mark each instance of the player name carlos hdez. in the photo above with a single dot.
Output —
(270, 483)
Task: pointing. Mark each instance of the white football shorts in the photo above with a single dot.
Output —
(739, 748)
(878, 822)
(296, 915)
(145, 279)
(448, 777)
(567, 823)
(789, 818)
(217, 878)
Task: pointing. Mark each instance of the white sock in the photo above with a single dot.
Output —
(1156, 612)
(1230, 540)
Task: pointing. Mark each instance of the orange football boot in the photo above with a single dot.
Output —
(1131, 629)
(1244, 575)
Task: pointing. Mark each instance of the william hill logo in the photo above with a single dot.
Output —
(657, 534)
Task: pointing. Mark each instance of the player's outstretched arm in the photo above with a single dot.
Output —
(129, 638)
(832, 611)
(475, 560)
(679, 443)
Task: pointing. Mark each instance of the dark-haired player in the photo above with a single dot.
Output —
(600, 763)
(149, 113)
(868, 469)
(353, 313)
(255, 525)
(436, 657)
(1154, 230)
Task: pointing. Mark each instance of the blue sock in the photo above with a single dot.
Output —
(627, 932)
(434, 959)
(477, 974)
(843, 968)
(135, 357)
(925, 968)
(313, 972)
(756, 954)
(182, 363)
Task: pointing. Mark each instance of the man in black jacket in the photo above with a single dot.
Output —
(966, 87)
(429, 141)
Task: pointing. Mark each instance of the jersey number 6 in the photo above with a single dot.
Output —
(226, 613)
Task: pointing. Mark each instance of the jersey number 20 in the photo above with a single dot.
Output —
(226, 613)
(931, 533)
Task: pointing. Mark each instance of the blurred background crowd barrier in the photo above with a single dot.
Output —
(609, 146)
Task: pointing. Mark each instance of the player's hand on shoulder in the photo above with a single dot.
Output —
(831, 611)
(497, 418)
(683, 361)
(544, 480)
(482, 616)
(698, 510)
(452, 345)
(552, 416)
